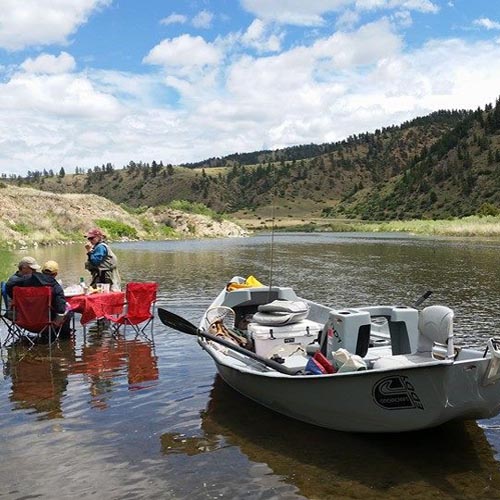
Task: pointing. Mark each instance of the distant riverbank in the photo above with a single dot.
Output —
(31, 218)
(487, 226)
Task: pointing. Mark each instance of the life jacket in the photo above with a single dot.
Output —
(108, 263)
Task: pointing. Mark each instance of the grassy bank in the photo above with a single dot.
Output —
(487, 226)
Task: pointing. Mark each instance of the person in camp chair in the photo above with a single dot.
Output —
(101, 261)
(26, 267)
(46, 278)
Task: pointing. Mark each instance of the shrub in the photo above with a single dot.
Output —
(115, 229)
(488, 209)
(194, 208)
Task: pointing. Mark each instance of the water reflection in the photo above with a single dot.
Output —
(39, 378)
(454, 460)
(40, 374)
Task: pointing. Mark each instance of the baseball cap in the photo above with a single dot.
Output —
(94, 232)
(51, 266)
(30, 262)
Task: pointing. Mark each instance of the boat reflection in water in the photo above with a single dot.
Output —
(40, 375)
(453, 461)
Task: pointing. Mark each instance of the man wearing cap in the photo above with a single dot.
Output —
(101, 261)
(26, 267)
(29, 274)
(51, 268)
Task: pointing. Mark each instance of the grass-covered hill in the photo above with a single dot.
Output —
(443, 165)
(31, 217)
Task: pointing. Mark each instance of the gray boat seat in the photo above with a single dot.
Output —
(435, 325)
(281, 312)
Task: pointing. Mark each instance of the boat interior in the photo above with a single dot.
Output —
(383, 337)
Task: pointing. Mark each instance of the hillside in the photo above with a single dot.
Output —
(446, 164)
(31, 217)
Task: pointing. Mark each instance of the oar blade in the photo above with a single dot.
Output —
(175, 322)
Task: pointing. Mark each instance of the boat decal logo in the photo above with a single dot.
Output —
(396, 393)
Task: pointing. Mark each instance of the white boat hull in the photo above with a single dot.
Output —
(357, 402)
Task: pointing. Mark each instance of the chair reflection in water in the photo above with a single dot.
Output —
(32, 314)
(6, 316)
(138, 310)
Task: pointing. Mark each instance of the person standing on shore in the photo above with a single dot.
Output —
(101, 261)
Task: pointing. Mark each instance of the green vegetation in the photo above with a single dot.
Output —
(488, 226)
(115, 229)
(21, 227)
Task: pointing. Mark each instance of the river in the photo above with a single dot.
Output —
(99, 417)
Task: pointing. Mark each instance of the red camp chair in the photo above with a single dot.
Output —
(140, 301)
(31, 312)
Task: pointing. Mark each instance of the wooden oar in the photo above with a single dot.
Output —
(183, 325)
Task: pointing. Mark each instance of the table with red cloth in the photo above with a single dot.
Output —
(96, 305)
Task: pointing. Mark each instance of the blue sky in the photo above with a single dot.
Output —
(87, 82)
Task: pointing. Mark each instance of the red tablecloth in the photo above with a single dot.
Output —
(95, 305)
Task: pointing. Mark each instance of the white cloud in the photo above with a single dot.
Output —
(369, 44)
(49, 64)
(174, 19)
(311, 12)
(183, 54)
(260, 36)
(203, 19)
(484, 22)
(42, 22)
(58, 95)
(347, 19)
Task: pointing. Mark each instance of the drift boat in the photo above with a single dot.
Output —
(373, 369)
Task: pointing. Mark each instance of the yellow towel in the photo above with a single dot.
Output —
(250, 282)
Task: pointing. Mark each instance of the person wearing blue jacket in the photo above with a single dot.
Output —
(101, 261)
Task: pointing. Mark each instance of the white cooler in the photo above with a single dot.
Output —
(283, 340)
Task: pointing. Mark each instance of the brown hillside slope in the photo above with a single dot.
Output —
(32, 217)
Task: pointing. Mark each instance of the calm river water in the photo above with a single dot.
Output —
(123, 418)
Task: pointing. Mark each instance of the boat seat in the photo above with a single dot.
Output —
(435, 325)
(281, 312)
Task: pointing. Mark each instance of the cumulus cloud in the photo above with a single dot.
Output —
(42, 22)
(183, 54)
(261, 37)
(49, 64)
(57, 95)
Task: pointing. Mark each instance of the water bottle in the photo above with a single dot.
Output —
(83, 286)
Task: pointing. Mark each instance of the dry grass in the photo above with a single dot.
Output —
(29, 217)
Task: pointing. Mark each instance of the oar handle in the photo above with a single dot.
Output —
(424, 296)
